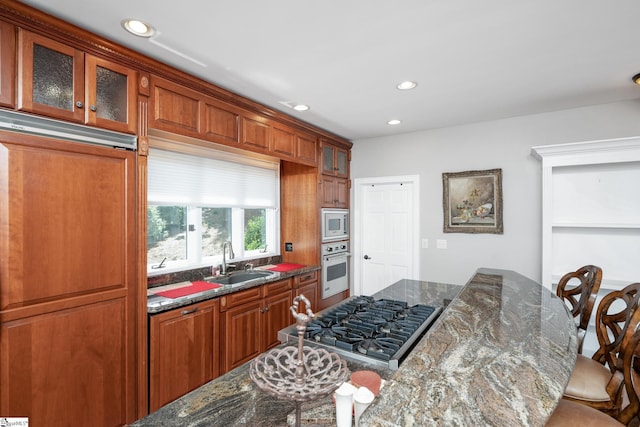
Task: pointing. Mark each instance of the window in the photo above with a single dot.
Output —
(197, 201)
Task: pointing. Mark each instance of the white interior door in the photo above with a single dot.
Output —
(385, 244)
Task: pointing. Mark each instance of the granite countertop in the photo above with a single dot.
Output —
(158, 304)
(500, 354)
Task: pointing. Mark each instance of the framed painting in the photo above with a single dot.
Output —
(472, 201)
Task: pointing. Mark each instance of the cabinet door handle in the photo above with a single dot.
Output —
(266, 308)
(93, 108)
(79, 104)
(185, 312)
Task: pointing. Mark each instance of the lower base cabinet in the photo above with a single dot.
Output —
(251, 320)
(66, 368)
(307, 285)
(183, 351)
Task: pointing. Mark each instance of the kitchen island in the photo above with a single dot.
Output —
(500, 354)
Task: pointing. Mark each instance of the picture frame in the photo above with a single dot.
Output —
(472, 201)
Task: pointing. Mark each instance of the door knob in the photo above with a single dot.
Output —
(367, 257)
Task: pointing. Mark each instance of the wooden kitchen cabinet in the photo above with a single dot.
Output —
(111, 95)
(335, 160)
(7, 64)
(335, 192)
(184, 351)
(177, 109)
(307, 149)
(174, 108)
(334, 180)
(277, 314)
(63, 82)
(68, 367)
(307, 285)
(284, 142)
(68, 271)
(256, 133)
(295, 146)
(241, 335)
(251, 320)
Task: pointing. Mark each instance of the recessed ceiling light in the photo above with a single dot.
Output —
(406, 85)
(636, 79)
(300, 107)
(394, 122)
(138, 28)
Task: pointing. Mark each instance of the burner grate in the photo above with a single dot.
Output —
(370, 329)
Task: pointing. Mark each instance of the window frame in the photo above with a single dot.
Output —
(194, 212)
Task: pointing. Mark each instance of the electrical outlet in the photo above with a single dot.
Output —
(425, 243)
(288, 247)
(441, 244)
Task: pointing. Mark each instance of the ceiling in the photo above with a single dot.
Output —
(473, 60)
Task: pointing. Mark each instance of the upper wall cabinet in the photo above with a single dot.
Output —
(7, 64)
(181, 110)
(296, 146)
(590, 209)
(175, 108)
(60, 81)
(307, 149)
(335, 160)
(256, 133)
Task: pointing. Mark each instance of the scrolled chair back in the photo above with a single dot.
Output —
(629, 366)
(614, 317)
(579, 289)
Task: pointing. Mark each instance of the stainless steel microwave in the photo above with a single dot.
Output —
(335, 224)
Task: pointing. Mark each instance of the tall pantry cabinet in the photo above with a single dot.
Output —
(67, 270)
(68, 234)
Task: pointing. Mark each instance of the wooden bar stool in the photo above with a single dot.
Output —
(598, 382)
(579, 289)
(630, 361)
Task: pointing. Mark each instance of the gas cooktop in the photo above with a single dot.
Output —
(380, 332)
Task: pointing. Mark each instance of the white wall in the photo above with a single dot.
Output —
(504, 144)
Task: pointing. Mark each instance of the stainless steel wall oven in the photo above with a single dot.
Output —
(335, 268)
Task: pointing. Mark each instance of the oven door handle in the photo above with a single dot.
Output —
(335, 256)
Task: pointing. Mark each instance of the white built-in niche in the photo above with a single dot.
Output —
(591, 213)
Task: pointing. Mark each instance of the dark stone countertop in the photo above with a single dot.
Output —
(500, 354)
(158, 304)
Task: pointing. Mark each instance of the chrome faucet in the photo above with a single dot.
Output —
(231, 256)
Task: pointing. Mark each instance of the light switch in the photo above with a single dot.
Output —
(425, 243)
(441, 244)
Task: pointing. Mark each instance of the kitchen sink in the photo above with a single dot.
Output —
(240, 277)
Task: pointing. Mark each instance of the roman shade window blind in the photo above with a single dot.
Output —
(221, 180)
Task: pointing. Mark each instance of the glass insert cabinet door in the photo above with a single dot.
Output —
(327, 159)
(52, 80)
(341, 162)
(63, 82)
(111, 95)
(334, 161)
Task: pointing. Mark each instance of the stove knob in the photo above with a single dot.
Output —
(329, 249)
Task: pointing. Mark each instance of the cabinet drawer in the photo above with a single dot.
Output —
(306, 278)
(187, 310)
(277, 287)
(238, 298)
